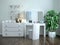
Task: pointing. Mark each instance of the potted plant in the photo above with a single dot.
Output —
(52, 22)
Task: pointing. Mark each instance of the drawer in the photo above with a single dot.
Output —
(16, 25)
(13, 34)
(10, 25)
(13, 29)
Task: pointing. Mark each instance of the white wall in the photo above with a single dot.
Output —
(56, 6)
(25, 5)
(59, 21)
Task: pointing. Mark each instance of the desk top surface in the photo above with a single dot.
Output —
(42, 24)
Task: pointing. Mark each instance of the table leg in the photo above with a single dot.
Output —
(25, 31)
(44, 34)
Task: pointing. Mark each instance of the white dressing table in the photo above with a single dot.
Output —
(36, 29)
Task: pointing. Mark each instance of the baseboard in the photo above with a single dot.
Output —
(58, 35)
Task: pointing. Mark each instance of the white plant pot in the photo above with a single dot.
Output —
(52, 34)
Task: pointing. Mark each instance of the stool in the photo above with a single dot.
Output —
(30, 33)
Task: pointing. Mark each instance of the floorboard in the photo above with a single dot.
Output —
(27, 41)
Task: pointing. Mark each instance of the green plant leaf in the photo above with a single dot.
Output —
(51, 20)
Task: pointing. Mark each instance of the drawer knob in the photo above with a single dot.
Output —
(5, 29)
(19, 33)
(5, 25)
(18, 29)
(5, 33)
(19, 26)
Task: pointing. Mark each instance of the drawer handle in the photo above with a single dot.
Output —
(19, 33)
(6, 26)
(5, 29)
(5, 33)
(18, 29)
(19, 26)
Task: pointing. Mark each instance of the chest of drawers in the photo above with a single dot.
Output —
(12, 29)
